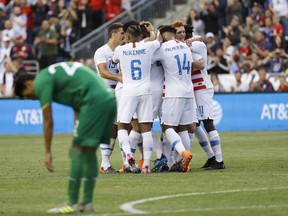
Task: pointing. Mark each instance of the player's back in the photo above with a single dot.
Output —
(200, 78)
(71, 84)
(135, 63)
(176, 60)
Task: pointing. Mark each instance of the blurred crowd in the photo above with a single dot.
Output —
(246, 39)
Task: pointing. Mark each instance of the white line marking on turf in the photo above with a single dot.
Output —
(129, 207)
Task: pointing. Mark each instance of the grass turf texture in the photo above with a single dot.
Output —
(254, 160)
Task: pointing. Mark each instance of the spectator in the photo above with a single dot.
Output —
(239, 86)
(9, 31)
(194, 20)
(268, 29)
(112, 9)
(244, 49)
(210, 19)
(218, 87)
(211, 44)
(275, 61)
(220, 7)
(251, 27)
(3, 16)
(234, 8)
(8, 80)
(19, 22)
(28, 11)
(248, 66)
(68, 36)
(228, 49)
(85, 16)
(98, 12)
(263, 84)
(257, 14)
(40, 9)
(47, 41)
(220, 63)
(234, 30)
(279, 6)
(283, 83)
(277, 26)
(5, 50)
(260, 46)
(20, 50)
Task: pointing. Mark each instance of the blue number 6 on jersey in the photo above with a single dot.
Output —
(136, 71)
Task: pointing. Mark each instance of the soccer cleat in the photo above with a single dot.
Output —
(176, 167)
(186, 158)
(132, 169)
(87, 208)
(158, 163)
(130, 159)
(140, 162)
(208, 162)
(122, 169)
(216, 165)
(110, 169)
(164, 168)
(146, 170)
(66, 208)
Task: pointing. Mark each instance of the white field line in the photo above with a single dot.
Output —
(129, 207)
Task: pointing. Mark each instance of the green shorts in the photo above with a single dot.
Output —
(95, 124)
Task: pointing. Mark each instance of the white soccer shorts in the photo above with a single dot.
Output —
(204, 102)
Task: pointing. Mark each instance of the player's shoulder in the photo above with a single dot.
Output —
(198, 45)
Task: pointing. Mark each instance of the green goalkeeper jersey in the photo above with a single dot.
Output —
(71, 84)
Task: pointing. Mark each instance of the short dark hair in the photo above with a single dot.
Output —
(114, 28)
(144, 31)
(129, 23)
(167, 28)
(134, 30)
(19, 83)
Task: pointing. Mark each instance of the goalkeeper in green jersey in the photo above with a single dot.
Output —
(77, 86)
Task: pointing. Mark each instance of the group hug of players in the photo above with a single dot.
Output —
(161, 75)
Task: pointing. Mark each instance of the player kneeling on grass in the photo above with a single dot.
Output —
(77, 86)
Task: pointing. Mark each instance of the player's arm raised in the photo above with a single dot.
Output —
(106, 74)
(48, 134)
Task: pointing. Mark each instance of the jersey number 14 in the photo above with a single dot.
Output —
(184, 65)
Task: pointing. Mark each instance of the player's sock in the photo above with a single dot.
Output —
(216, 144)
(174, 140)
(191, 137)
(76, 174)
(167, 151)
(124, 141)
(147, 147)
(112, 144)
(105, 154)
(185, 139)
(134, 136)
(156, 146)
(140, 146)
(204, 142)
(90, 174)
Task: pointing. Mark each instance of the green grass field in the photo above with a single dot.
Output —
(255, 181)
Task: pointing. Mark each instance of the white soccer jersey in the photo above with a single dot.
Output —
(104, 55)
(157, 76)
(200, 78)
(176, 60)
(135, 62)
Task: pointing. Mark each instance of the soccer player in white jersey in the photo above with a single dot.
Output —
(204, 91)
(109, 72)
(178, 103)
(135, 61)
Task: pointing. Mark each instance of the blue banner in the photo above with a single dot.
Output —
(233, 112)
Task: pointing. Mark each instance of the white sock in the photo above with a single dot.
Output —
(105, 154)
(216, 145)
(147, 147)
(191, 137)
(124, 142)
(174, 140)
(156, 146)
(167, 151)
(203, 141)
(185, 139)
(133, 140)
